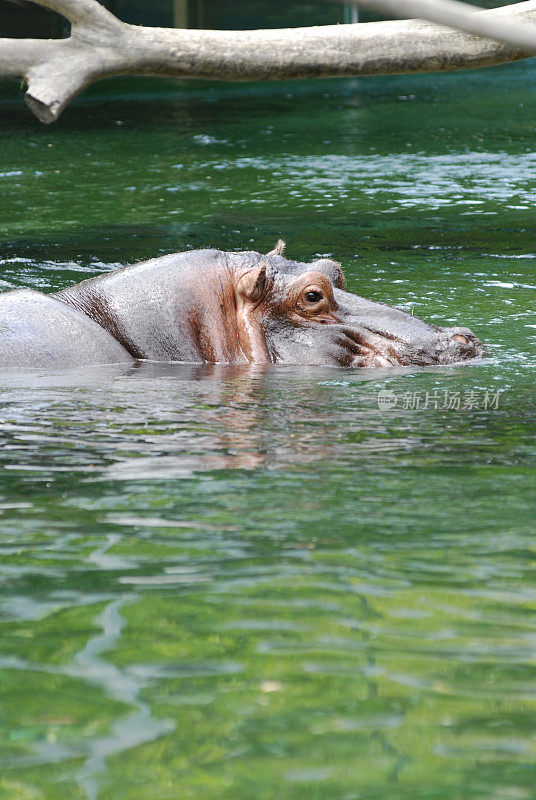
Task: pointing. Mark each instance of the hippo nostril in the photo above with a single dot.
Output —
(458, 337)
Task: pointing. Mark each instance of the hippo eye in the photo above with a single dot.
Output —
(313, 296)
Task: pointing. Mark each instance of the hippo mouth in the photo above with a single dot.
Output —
(450, 346)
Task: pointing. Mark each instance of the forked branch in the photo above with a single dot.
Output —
(101, 46)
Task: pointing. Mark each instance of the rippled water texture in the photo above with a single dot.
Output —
(234, 583)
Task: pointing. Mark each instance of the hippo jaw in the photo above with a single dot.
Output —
(305, 317)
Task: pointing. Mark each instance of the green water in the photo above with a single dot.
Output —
(253, 583)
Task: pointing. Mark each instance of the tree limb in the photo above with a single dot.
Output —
(462, 16)
(101, 46)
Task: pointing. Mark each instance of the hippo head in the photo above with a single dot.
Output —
(295, 313)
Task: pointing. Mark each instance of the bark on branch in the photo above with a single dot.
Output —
(101, 46)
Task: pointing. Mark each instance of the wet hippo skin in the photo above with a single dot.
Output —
(38, 331)
(216, 307)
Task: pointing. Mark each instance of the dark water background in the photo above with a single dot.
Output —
(236, 583)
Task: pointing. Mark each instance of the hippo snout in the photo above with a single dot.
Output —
(437, 346)
(444, 346)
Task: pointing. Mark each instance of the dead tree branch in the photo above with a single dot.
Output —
(102, 46)
(462, 16)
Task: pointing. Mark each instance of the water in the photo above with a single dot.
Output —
(238, 583)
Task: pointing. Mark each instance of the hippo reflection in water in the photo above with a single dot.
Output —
(215, 307)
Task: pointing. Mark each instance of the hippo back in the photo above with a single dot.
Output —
(37, 331)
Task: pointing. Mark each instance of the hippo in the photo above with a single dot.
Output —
(210, 306)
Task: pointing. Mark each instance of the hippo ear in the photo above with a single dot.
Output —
(278, 249)
(255, 284)
(332, 269)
